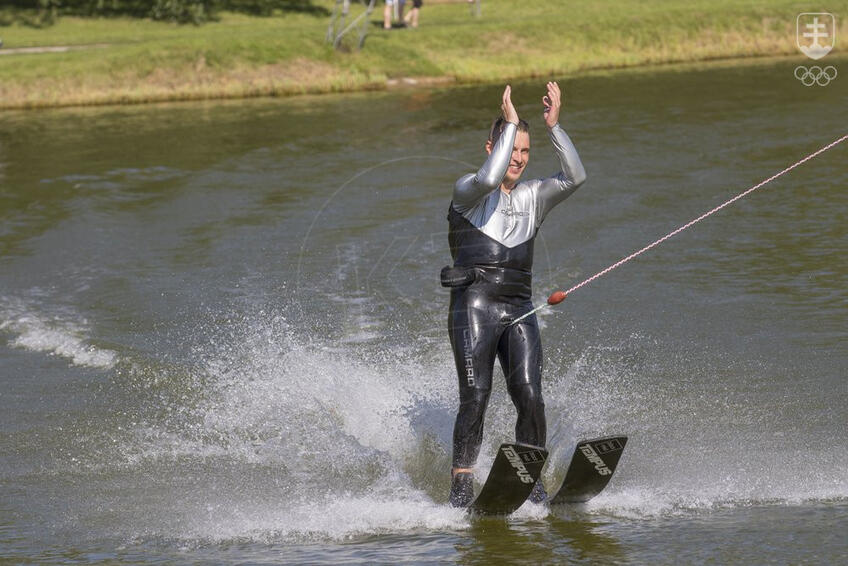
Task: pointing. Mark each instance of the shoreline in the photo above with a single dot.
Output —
(107, 98)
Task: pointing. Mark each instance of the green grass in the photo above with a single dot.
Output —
(248, 56)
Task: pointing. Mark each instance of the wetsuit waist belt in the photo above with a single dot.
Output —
(504, 276)
(496, 282)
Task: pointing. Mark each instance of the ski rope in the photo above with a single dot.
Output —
(558, 296)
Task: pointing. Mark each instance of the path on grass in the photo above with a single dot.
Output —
(52, 48)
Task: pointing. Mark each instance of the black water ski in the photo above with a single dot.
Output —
(517, 467)
(591, 468)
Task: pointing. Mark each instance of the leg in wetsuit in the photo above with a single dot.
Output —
(479, 330)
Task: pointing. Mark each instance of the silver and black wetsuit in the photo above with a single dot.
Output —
(491, 233)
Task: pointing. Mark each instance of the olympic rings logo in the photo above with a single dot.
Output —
(815, 75)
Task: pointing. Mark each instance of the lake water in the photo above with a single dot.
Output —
(222, 337)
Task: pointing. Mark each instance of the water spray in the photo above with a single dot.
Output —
(558, 296)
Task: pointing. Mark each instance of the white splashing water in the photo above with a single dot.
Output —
(336, 430)
(341, 425)
(696, 443)
(64, 336)
(339, 434)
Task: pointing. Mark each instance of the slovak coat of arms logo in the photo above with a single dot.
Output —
(815, 33)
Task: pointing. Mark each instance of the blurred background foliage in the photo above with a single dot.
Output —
(41, 13)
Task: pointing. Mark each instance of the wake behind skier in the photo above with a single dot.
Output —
(493, 220)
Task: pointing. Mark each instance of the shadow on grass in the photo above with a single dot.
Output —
(395, 25)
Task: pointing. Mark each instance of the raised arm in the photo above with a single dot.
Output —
(556, 189)
(471, 188)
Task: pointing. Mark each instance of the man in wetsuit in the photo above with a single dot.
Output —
(493, 222)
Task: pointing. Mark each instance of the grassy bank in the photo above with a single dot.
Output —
(140, 60)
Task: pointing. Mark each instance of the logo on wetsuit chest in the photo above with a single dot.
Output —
(469, 358)
(515, 461)
(593, 457)
(511, 212)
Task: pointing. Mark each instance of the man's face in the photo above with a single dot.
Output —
(518, 160)
(520, 156)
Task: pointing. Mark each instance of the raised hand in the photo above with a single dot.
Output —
(507, 109)
(552, 102)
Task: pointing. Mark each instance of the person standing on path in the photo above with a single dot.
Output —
(411, 19)
(388, 9)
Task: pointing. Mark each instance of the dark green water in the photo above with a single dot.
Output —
(222, 338)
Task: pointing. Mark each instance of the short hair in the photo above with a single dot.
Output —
(499, 125)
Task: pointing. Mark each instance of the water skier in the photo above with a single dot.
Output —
(493, 220)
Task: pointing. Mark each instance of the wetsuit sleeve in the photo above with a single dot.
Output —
(556, 189)
(471, 188)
